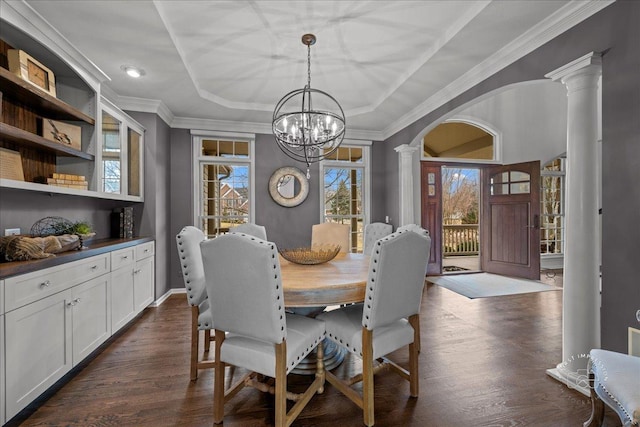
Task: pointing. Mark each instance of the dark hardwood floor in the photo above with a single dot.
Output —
(482, 363)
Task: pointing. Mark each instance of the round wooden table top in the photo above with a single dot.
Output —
(340, 281)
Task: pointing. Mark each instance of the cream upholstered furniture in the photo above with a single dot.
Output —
(331, 233)
(247, 305)
(373, 232)
(614, 380)
(387, 320)
(251, 229)
(188, 242)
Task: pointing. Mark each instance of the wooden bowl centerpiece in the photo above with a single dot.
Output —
(316, 254)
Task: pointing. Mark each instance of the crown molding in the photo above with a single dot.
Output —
(563, 19)
(148, 106)
(23, 16)
(591, 59)
(158, 107)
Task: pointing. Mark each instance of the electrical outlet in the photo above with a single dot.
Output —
(11, 231)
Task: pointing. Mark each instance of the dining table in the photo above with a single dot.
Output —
(310, 289)
(341, 280)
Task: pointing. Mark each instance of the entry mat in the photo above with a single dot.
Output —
(482, 285)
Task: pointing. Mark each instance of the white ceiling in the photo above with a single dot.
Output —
(387, 62)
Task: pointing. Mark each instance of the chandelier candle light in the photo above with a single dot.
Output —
(306, 132)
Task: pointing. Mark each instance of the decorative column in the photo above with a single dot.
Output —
(581, 289)
(406, 183)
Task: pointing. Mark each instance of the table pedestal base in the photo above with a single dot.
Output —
(333, 356)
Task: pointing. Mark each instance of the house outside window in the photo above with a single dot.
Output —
(345, 188)
(223, 177)
(552, 193)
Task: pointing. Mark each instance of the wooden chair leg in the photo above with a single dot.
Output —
(597, 406)
(281, 385)
(194, 343)
(218, 382)
(367, 377)
(414, 348)
(416, 335)
(207, 340)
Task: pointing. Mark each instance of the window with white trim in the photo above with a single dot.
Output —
(223, 171)
(552, 179)
(345, 190)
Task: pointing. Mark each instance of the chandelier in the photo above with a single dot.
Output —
(308, 130)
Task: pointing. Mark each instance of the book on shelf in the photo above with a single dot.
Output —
(68, 181)
(122, 223)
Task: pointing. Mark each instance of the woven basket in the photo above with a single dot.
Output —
(311, 255)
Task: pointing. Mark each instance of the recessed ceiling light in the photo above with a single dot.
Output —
(134, 72)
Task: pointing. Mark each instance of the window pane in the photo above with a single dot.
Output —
(498, 189)
(134, 162)
(225, 196)
(343, 201)
(552, 208)
(519, 176)
(111, 154)
(225, 148)
(520, 188)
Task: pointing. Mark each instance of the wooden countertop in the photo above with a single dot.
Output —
(95, 247)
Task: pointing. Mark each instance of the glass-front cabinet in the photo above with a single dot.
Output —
(121, 156)
(62, 137)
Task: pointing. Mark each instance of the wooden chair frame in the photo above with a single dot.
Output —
(195, 340)
(282, 417)
(366, 400)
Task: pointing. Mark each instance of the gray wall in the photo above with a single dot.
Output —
(21, 209)
(181, 206)
(621, 173)
(378, 182)
(286, 227)
(616, 32)
(153, 215)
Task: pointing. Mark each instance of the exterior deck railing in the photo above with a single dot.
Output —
(461, 239)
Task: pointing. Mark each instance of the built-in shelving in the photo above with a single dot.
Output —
(15, 134)
(52, 189)
(15, 88)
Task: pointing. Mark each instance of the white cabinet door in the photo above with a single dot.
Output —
(91, 316)
(2, 419)
(143, 284)
(122, 302)
(37, 349)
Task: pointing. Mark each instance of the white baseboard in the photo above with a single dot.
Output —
(634, 341)
(164, 297)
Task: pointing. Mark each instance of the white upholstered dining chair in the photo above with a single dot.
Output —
(373, 232)
(252, 329)
(387, 320)
(415, 228)
(188, 242)
(331, 233)
(251, 229)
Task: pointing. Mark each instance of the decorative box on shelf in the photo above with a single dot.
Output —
(61, 132)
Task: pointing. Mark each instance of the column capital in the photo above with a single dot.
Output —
(589, 63)
(406, 148)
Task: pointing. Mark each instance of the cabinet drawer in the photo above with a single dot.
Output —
(27, 288)
(145, 250)
(122, 258)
